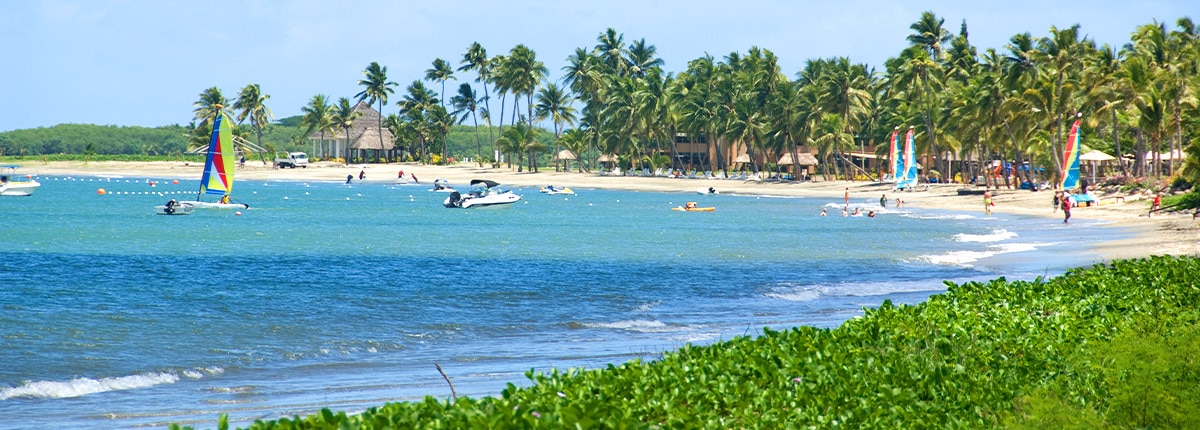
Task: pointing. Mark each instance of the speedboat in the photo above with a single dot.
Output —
(173, 208)
(483, 193)
(12, 184)
(443, 186)
(554, 189)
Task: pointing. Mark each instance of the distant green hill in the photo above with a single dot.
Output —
(102, 140)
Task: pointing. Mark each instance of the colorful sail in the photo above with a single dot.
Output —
(897, 161)
(908, 173)
(1070, 161)
(218, 167)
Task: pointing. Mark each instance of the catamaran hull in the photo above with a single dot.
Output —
(208, 205)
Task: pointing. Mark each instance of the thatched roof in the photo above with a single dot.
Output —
(368, 118)
(803, 159)
(607, 158)
(565, 155)
(369, 139)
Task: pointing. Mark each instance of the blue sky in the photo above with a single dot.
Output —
(134, 62)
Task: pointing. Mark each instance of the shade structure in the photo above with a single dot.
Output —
(1096, 155)
(565, 155)
(744, 158)
(1169, 155)
(803, 159)
(607, 158)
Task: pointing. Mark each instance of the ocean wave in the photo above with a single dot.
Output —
(966, 258)
(79, 387)
(937, 216)
(994, 236)
(800, 294)
(644, 326)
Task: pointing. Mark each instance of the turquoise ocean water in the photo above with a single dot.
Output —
(324, 294)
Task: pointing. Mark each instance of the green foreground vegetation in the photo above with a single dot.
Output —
(1112, 346)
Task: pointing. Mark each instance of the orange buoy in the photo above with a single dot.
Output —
(175, 182)
(100, 191)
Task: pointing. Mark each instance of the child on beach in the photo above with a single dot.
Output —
(1156, 203)
(987, 202)
(1057, 199)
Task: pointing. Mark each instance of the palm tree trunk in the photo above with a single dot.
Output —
(1117, 144)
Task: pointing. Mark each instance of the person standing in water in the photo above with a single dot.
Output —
(987, 202)
(1066, 207)
(883, 201)
(847, 196)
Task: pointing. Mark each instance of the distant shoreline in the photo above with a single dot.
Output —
(1162, 234)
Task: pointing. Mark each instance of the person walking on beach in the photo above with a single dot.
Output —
(987, 202)
(1155, 204)
(362, 174)
(1066, 207)
(1057, 200)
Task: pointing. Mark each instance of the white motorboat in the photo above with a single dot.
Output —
(554, 189)
(710, 191)
(442, 186)
(483, 193)
(12, 184)
(173, 208)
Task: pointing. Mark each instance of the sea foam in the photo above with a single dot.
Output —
(79, 387)
(994, 236)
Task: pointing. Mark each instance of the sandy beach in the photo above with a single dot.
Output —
(1161, 234)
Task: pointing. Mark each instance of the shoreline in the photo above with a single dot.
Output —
(1163, 234)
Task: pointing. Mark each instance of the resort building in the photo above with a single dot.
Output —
(362, 142)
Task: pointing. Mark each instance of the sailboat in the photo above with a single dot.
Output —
(218, 167)
(907, 176)
(1070, 161)
(897, 162)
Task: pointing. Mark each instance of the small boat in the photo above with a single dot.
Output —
(218, 168)
(442, 186)
(710, 191)
(483, 193)
(12, 184)
(553, 189)
(691, 207)
(173, 208)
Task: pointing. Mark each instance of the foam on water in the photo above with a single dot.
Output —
(995, 236)
(83, 386)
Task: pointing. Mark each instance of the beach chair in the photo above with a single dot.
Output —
(646, 172)
(616, 171)
(658, 172)
(691, 174)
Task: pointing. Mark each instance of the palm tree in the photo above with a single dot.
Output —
(642, 57)
(376, 88)
(576, 141)
(476, 59)
(465, 103)
(416, 106)
(251, 103)
(318, 117)
(343, 117)
(211, 103)
(555, 104)
(440, 72)
(611, 47)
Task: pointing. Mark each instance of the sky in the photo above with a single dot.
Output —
(145, 62)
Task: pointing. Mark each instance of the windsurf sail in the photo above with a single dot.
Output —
(897, 160)
(218, 166)
(1070, 161)
(908, 172)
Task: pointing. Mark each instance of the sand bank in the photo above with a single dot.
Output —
(1161, 234)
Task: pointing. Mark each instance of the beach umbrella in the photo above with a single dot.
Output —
(607, 158)
(744, 158)
(1094, 156)
(803, 159)
(565, 155)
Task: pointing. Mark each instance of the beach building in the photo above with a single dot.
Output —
(362, 142)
